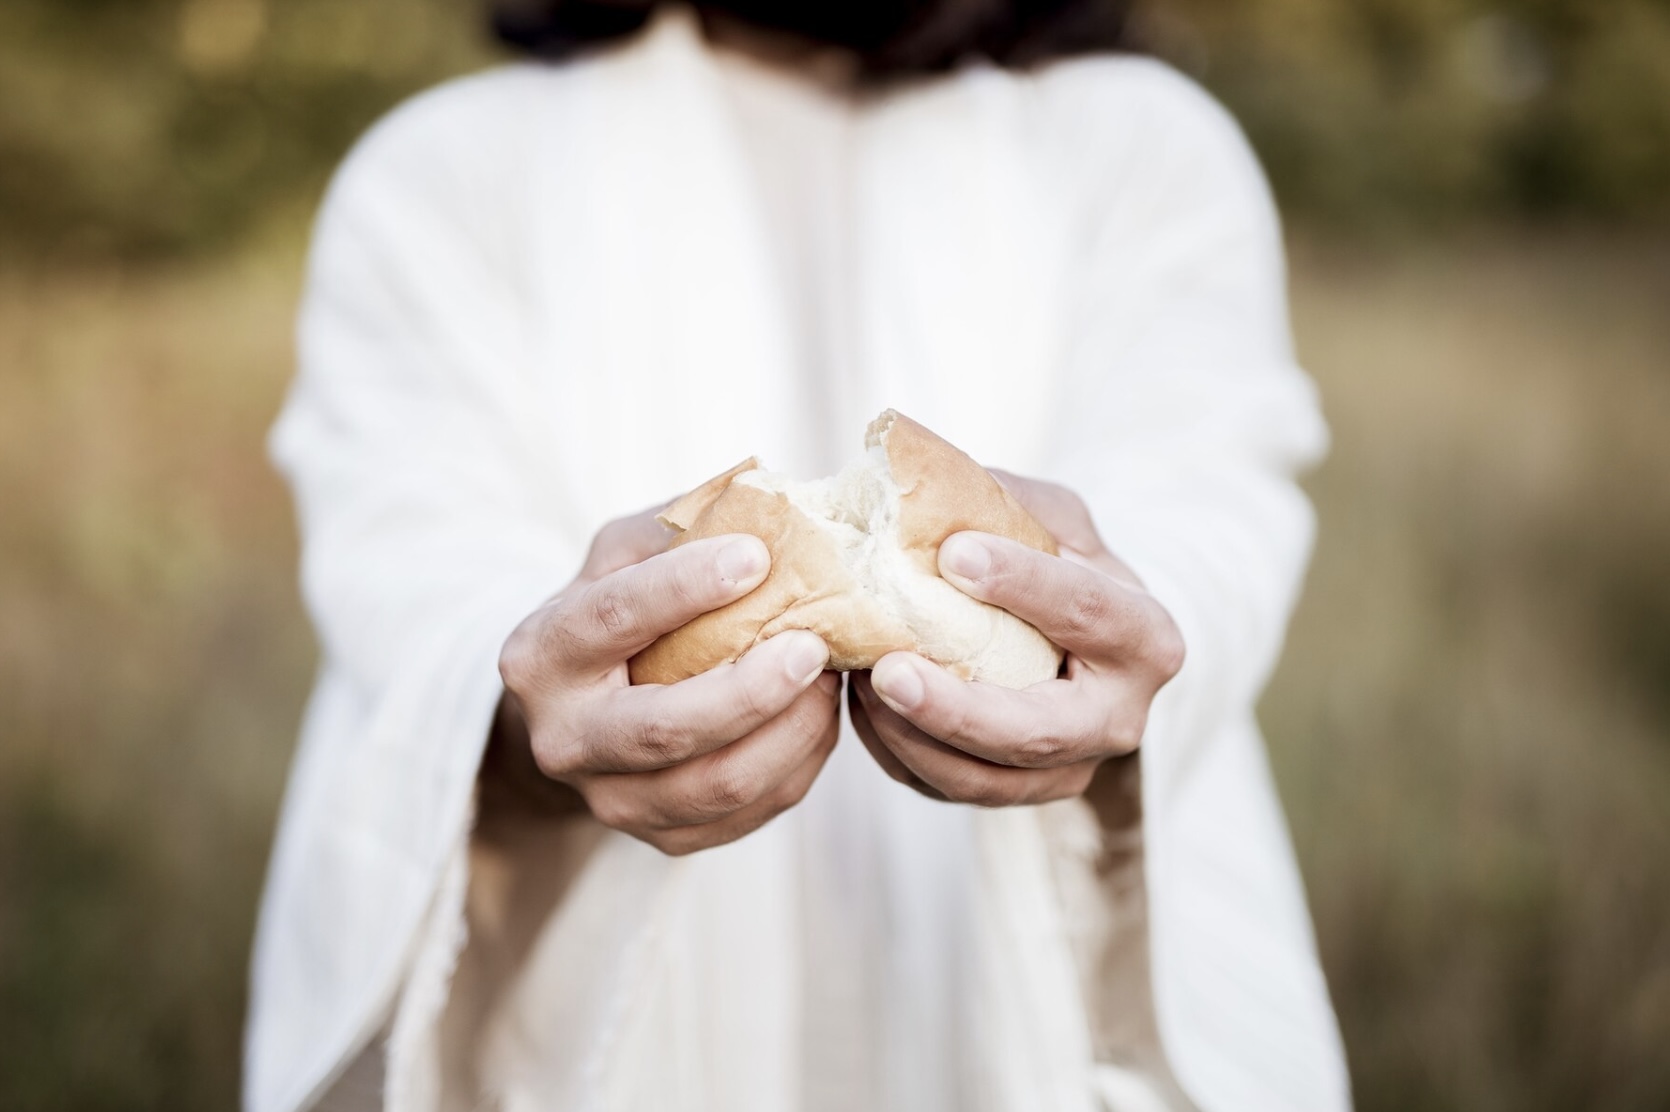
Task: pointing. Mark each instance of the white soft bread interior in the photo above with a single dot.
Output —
(855, 560)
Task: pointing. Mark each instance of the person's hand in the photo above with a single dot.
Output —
(986, 745)
(684, 766)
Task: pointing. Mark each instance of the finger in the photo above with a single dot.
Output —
(1068, 519)
(1085, 611)
(1057, 509)
(1050, 724)
(651, 726)
(866, 731)
(692, 839)
(739, 776)
(788, 793)
(626, 541)
(606, 622)
(952, 774)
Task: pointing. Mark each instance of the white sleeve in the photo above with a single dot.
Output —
(427, 535)
(1188, 417)
(1185, 423)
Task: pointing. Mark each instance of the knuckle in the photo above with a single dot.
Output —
(1042, 749)
(1167, 651)
(557, 636)
(979, 788)
(611, 612)
(1088, 613)
(662, 738)
(729, 787)
(516, 659)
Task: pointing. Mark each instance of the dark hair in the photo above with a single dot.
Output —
(889, 37)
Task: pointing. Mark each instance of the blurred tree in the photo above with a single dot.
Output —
(162, 126)
(139, 127)
(1429, 110)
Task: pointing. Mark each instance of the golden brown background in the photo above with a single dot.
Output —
(1472, 725)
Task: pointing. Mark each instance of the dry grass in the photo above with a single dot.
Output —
(152, 663)
(1473, 721)
(1472, 727)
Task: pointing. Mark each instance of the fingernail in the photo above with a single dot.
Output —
(806, 657)
(896, 681)
(742, 560)
(965, 556)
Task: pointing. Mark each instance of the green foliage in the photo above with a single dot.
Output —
(168, 126)
(1432, 110)
(160, 126)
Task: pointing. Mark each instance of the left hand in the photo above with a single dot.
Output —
(986, 745)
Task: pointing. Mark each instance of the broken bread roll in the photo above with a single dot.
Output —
(855, 559)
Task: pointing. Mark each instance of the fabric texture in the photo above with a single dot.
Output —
(544, 297)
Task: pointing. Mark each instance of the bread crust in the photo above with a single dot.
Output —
(684, 512)
(810, 586)
(943, 491)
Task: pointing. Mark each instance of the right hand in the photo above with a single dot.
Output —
(683, 766)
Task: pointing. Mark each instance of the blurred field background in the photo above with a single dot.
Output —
(1472, 724)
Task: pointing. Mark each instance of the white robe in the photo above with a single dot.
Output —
(546, 296)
